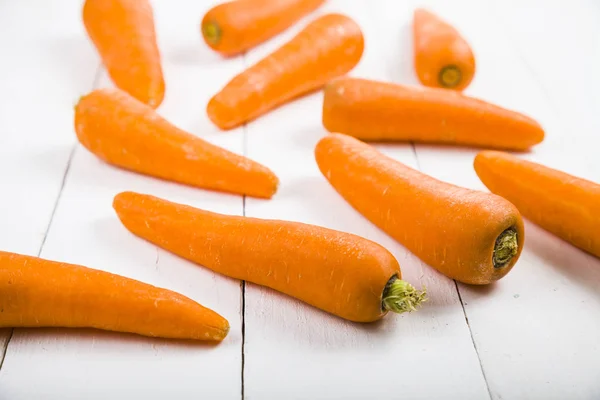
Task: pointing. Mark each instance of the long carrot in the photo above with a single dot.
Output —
(125, 132)
(123, 33)
(236, 26)
(328, 47)
(378, 111)
(343, 274)
(470, 236)
(35, 292)
(563, 204)
(442, 57)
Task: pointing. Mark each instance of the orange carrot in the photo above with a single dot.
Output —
(328, 47)
(123, 33)
(340, 273)
(125, 132)
(35, 292)
(470, 236)
(378, 111)
(563, 204)
(442, 57)
(236, 26)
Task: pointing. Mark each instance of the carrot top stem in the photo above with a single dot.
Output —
(450, 76)
(212, 32)
(400, 296)
(506, 248)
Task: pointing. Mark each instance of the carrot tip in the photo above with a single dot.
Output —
(211, 32)
(506, 248)
(450, 76)
(400, 296)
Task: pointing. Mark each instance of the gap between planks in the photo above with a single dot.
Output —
(487, 386)
(4, 350)
(473, 340)
(243, 283)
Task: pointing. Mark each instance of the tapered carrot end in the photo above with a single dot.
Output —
(209, 326)
(538, 133)
(123, 199)
(133, 208)
(531, 132)
(221, 115)
(220, 334)
(271, 186)
(156, 98)
(483, 158)
(420, 15)
(489, 164)
(423, 16)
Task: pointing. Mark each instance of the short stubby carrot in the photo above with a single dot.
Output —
(127, 133)
(124, 35)
(471, 236)
(233, 27)
(36, 293)
(442, 57)
(563, 204)
(328, 47)
(378, 111)
(343, 274)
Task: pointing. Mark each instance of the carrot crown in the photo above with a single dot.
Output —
(450, 76)
(506, 248)
(400, 296)
(212, 32)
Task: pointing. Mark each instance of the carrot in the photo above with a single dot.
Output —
(442, 57)
(328, 47)
(35, 292)
(470, 236)
(127, 133)
(343, 274)
(236, 26)
(378, 111)
(123, 33)
(563, 204)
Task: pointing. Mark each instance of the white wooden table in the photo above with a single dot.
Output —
(533, 335)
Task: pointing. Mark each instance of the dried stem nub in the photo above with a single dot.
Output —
(400, 296)
(506, 248)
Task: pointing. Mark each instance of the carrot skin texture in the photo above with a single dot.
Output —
(124, 35)
(378, 111)
(233, 27)
(563, 204)
(453, 229)
(337, 272)
(125, 132)
(438, 46)
(41, 293)
(328, 47)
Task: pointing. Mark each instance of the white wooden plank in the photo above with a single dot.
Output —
(44, 68)
(537, 329)
(75, 364)
(295, 351)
